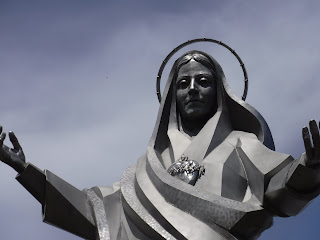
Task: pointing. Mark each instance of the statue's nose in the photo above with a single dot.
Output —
(193, 86)
(192, 83)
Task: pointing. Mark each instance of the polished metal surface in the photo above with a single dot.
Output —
(135, 209)
(187, 170)
(99, 214)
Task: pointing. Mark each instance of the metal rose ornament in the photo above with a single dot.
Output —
(187, 170)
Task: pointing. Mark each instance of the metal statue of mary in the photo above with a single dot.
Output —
(210, 170)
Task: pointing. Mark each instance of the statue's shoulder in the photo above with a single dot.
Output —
(251, 148)
(103, 191)
(235, 135)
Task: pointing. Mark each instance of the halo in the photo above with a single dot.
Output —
(165, 61)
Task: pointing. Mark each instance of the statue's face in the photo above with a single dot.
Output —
(196, 91)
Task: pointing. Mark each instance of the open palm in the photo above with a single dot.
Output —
(312, 147)
(14, 157)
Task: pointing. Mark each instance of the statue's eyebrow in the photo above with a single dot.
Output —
(198, 75)
(182, 77)
(205, 75)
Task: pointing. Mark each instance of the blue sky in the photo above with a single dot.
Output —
(78, 86)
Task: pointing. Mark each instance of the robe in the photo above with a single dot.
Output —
(249, 184)
(246, 183)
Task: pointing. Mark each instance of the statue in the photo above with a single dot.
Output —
(210, 170)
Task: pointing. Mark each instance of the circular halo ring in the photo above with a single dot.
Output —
(164, 63)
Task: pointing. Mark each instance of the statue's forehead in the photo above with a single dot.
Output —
(193, 67)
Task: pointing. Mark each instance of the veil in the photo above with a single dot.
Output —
(221, 214)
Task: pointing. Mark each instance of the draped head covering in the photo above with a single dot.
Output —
(186, 210)
(232, 114)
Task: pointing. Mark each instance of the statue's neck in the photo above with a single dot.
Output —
(193, 127)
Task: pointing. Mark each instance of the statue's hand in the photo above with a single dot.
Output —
(14, 157)
(312, 150)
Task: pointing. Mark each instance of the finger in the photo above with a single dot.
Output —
(14, 141)
(2, 137)
(2, 147)
(314, 130)
(307, 142)
(5, 155)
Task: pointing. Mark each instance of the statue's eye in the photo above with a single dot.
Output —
(204, 82)
(183, 84)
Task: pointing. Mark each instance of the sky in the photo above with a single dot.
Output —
(78, 86)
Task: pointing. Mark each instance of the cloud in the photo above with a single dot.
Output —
(78, 85)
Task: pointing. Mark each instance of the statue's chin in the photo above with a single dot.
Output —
(195, 116)
(197, 110)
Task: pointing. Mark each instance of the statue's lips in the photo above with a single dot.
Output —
(194, 102)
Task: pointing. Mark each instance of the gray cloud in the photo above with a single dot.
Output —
(78, 86)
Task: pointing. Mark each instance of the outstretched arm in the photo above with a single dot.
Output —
(291, 189)
(306, 178)
(63, 205)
